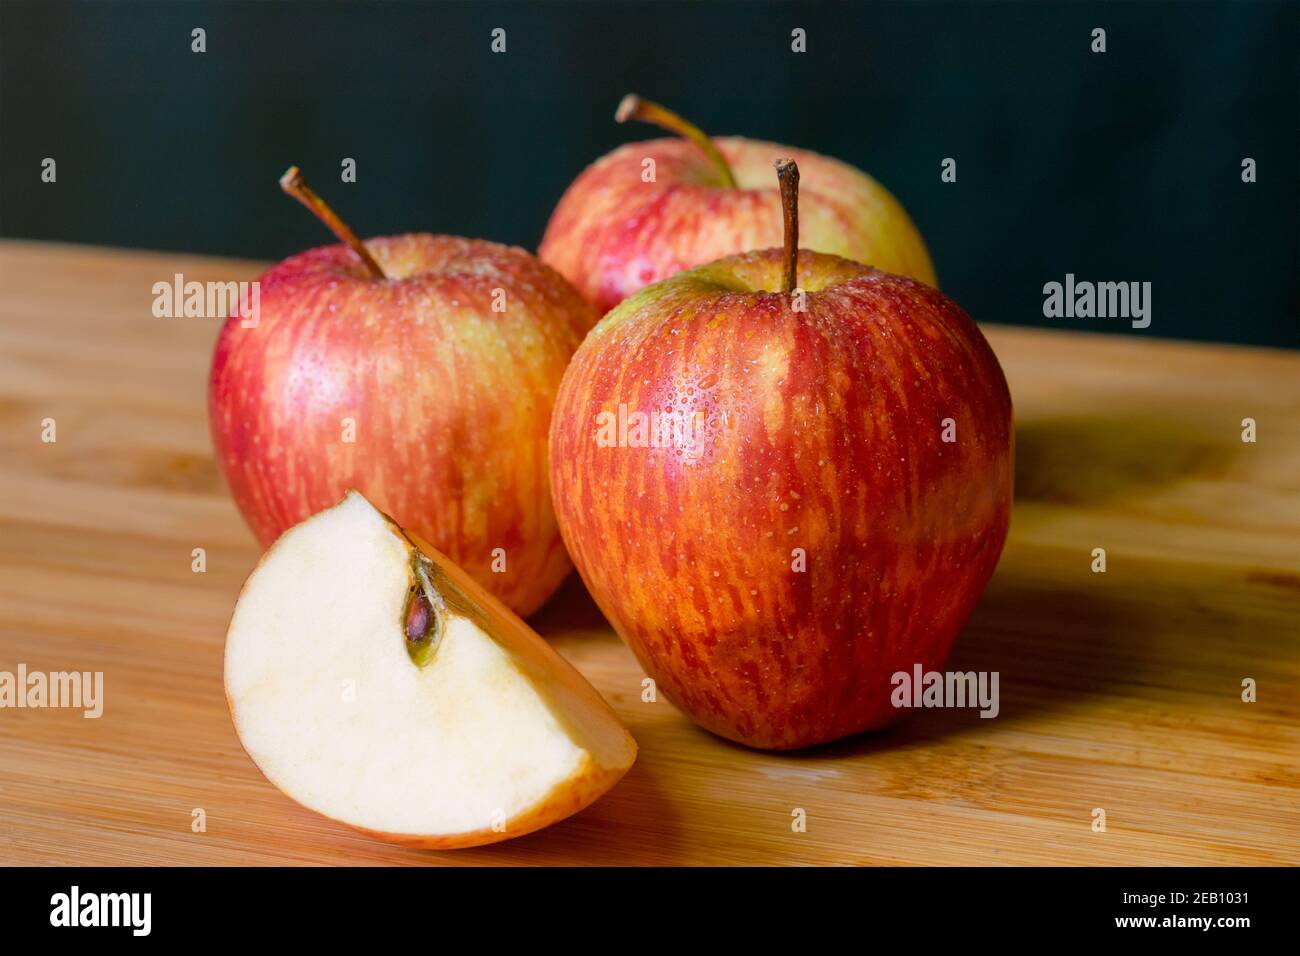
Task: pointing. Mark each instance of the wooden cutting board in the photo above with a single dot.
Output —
(1120, 691)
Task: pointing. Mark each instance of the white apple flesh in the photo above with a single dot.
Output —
(476, 733)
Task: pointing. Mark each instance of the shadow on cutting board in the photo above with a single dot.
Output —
(1084, 461)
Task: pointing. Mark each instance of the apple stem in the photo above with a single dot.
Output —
(293, 184)
(633, 107)
(787, 174)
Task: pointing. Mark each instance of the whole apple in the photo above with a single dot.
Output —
(423, 377)
(784, 477)
(651, 209)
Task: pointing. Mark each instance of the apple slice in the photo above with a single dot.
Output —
(376, 683)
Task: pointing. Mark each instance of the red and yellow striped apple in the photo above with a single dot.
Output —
(418, 369)
(650, 209)
(784, 476)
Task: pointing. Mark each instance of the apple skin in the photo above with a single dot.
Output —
(819, 430)
(613, 234)
(451, 400)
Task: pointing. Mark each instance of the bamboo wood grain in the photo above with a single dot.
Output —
(1120, 691)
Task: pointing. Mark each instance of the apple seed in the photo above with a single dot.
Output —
(422, 616)
(418, 613)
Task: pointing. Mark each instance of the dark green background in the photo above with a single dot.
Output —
(1122, 166)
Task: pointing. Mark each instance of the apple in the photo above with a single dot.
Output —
(420, 369)
(375, 682)
(784, 477)
(614, 232)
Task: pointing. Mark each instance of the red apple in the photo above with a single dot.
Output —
(802, 527)
(614, 232)
(418, 369)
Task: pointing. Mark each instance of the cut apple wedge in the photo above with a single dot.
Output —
(374, 682)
